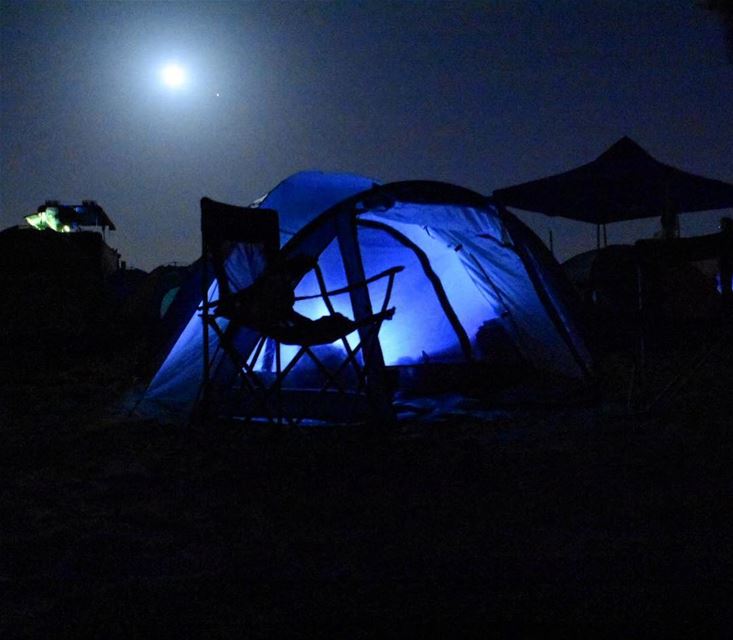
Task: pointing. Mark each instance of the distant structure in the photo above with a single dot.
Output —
(66, 293)
(83, 221)
(64, 218)
(59, 279)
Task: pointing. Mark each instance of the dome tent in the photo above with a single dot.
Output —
(469, 265)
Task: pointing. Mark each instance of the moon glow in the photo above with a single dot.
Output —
(173, 75)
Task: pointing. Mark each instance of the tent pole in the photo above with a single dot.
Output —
(552, 243)
(438, 289)
(605, 235)
(598, 237)
(361, 305)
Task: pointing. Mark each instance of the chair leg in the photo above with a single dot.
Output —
(267, 398)
(275, 388)
(245, 370)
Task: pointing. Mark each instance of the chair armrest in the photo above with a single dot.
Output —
(391, 272)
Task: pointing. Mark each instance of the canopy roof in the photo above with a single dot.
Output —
(623, 183)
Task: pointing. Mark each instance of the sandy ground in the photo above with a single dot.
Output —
(586, 520)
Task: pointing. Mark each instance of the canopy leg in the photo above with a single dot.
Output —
(725, 266)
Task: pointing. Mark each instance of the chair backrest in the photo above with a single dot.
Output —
(238, 242)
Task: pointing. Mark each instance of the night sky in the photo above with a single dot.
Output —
(481, 94)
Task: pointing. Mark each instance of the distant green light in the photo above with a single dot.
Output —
(48, 219)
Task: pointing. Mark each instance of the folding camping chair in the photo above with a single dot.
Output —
(254, 316)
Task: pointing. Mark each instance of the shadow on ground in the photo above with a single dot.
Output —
(581, 520)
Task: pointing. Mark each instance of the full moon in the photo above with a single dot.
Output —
(173, 75)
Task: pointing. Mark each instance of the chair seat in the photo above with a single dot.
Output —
(299, 330)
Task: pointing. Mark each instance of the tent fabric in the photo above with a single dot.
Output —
(301, 197)
(623, 183)
(467, 263)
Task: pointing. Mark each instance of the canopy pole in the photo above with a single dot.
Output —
(598, 237)
(605, 235)
(725, 265)
(636, 400)
(552, 243)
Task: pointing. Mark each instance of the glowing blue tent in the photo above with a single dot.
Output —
(470, 268)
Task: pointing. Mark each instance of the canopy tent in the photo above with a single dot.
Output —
(469, 265)
(623, 183)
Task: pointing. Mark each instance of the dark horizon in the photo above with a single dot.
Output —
(482, 96)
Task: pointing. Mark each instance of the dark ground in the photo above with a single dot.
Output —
(578, 519)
